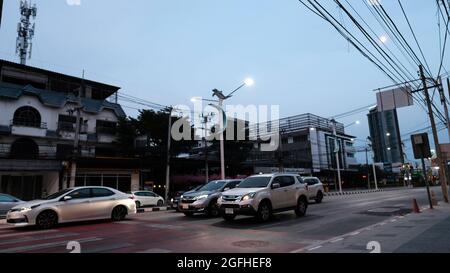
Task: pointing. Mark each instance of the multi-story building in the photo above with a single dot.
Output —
(37, 131)
(307, 146)
(385, 136)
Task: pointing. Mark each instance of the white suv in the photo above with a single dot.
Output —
(315, 188)
(262, 195)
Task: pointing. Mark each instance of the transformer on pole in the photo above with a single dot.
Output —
(25, 30)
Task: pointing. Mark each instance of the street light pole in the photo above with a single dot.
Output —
(336, 150)
(222, 144)
(222, 98)
(169, 140)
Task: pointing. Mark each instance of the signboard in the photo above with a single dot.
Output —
(394, 98)
(421, 146)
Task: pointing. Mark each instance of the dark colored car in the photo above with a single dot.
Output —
(175, 200)
(204, 199)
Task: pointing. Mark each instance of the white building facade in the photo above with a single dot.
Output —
(37, 131)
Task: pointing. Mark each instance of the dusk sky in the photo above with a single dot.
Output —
(168, 51)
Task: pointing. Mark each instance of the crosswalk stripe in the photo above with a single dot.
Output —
(47, 245)
(40, 238)
(17, 234)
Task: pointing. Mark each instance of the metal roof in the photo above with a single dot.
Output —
(57, 99)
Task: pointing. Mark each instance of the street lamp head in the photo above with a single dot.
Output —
(249, 82)
(219, 94)
(357, 122)
(195, 99)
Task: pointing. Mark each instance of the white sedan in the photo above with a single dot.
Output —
(72, 205)
(315, 188)
(147, 198)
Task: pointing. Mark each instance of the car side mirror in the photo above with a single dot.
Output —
(67, 198)
(226, 189)
(276, 186)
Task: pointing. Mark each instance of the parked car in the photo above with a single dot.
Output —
(7, 202)
(204, 199)
(71, 205)
(263, 195)
(315, 188)
(146, 198)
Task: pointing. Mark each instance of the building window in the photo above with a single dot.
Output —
(121, 182)
(350, 155)
(24, 148)
(67, 123)
(106, 127)
(27, 116)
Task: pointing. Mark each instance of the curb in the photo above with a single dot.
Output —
(143, 210)
(352, 192)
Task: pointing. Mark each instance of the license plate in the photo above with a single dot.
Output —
(229, 211)
(185, 206)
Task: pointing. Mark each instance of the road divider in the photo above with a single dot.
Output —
(352, 192)
(153, 209)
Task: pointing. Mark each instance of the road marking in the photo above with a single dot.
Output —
(393, 220)
(106, 248)
(314, 248)
(155, 250)
(41, 238)
(15, 234)
(355, 233)
(46, 245)
(337, 240)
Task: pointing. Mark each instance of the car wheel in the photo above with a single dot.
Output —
(47, 219)
(213, 209)
(319, 197)
(160, 203)
(119, 213)
(229, 218)
(188, 214)
(264, 212)
(138, 204)
(302, 205)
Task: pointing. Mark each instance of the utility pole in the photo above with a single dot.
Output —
(336, 151)
(76, 139)
(442, 166)
(367, 168)
(169, 140)
(444, 102)
(205, 120)
(281, 153)
(25, 31)
(374, 170)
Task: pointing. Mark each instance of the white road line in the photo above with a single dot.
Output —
(336, 240)
(17, 234)
(355, 233)
(40, 238)
(46, 245)
(314, 248)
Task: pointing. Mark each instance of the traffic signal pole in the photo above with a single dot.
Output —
(442, 165)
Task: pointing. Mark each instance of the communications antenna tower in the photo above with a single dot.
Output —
(25, 30)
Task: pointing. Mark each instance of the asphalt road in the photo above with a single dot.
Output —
(169, 231)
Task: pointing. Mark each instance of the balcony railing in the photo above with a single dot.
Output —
(28, 123)
(70, 127)
(106, 130)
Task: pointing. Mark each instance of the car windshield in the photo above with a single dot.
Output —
(58, 194)
(212, 186)
(255, 182)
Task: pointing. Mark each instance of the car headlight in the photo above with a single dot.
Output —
(171, 200)
(201, 197)
(248, 196)
(220, 199)
(25, 209)
(181, 196)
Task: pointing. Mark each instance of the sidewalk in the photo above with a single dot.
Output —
(425, 232)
